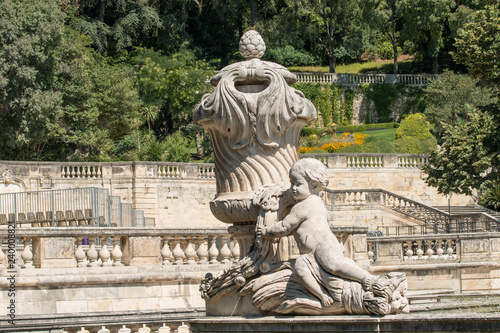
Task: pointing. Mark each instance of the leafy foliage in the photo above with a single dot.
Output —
(449, 97)
(413, 136)
(30, 106)
(174, 84)
(477, 44)
(288, 56)
(464, 161)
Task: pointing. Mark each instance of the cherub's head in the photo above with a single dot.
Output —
(308, 176)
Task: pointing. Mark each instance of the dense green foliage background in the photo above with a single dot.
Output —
(118, 79)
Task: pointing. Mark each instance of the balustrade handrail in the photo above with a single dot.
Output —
(433, 218)
(113, 231)
(457, 236)
(375, 190)
(357, 79)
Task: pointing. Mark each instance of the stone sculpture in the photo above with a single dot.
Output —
(254, 118)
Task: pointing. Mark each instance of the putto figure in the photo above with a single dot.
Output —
(308, 221)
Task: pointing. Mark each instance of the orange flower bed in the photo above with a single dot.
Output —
(343, 141)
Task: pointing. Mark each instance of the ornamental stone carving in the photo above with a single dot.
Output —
(254, 118)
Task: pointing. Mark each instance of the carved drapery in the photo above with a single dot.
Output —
(254, 119)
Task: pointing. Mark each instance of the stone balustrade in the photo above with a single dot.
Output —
(444, 248)
(358, 79)
(370, 161)
(115, 247)
(460, 262)
(172, 192)
(427, 218)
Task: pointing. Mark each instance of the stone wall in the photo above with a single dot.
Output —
(177, 194)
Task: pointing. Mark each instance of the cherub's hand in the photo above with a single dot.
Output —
(262, 232)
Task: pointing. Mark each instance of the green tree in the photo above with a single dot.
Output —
(424, 23)
(116, 24)
(336, 22)
(383, 16)
(175, 84)
(469, 156)
(30, 108)
(477, 44)
(449, 98)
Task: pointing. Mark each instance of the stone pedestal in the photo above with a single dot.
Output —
(141, 251)
(54, 252)
(452, 322)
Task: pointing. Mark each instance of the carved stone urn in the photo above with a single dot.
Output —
(254, 118)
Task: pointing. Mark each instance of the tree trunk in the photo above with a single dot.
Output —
(102, 9)
(394, 38)
(332, 60)
(199, 148)
(253, 10)
(435, 65)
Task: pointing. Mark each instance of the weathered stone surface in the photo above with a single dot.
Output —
(254, 119)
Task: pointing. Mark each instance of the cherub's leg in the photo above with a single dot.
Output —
(307, 279)
(333, 261)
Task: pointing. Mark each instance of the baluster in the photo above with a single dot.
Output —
(439, 250)
(163, 329)
(224, 251)
(202, 251)
(420, 252)
(370, 253)
(79, 253)
(2, 255)
(103, 330)
(189, 252)
(72, 171)
(165, 251)
(449, 249)
(83, 330)
(213, 252)
(116, 253)
(27, 255)
(124, 329)
(92, 254)
(409, 250)
(430, 251)
(104, 254)
(144, 329)
(235, 249)
(177, 251)
(183, 329)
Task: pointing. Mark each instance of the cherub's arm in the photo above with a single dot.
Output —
(282, 228)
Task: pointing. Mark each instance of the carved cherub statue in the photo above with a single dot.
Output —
(321, 281)
(308, 222)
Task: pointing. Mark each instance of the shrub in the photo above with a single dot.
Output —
(288, 56)
(126, 144)
(408, 145)
(416, 126)
(491, 197)
(152, 150)
(176, 148)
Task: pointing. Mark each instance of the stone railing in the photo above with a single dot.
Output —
(435, 249)
(370, 161)
(114, 247)
(357, 79)
(433, 220)
(145, 321)
(48, 172)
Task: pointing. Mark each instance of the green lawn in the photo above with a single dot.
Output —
(381, 135)
(373, 67)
